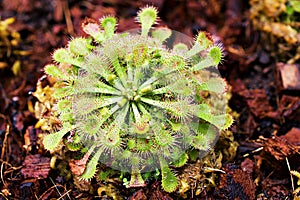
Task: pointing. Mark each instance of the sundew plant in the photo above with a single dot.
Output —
(138, 101)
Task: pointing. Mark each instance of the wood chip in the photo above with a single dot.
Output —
(77, 167)
(236, 184)
(277, 147)
(36, 166)
(293, 136)
(290, 76)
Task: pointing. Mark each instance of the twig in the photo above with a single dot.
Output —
(66, 193)
(4, 142)
(254, 151)
(2, 155)
(49, 189)
(288, 165)
(3, 195)
(56, 187)
(68, 19)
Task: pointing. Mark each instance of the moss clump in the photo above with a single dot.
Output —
(278, 22)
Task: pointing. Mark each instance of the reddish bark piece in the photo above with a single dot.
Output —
(289, 107)
(275, 189)
(258, 103)
(19, 5)
(237, 86)
(293, 136)
(138, 195)
(157, 193)
(256, 99)
(250, 125)
(277, 147)
(290, 76)
(248, 166)
(77, 167)
(236, 184)
(36, 166)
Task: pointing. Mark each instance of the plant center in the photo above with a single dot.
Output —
(130, 94)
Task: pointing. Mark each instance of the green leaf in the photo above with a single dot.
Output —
(89, 125)
(73, 146)
(61, 92)
(97, 63)
(201, 142)
(213, 58)
(86, 104)
(64, 106)
(79, 46)
(180, 49)
(92, 84)
(143, 145)
(103, 175)
(295, 4)
(163, 138)
(169, 181)
(209, 131)
(228, 121)
(147, 17)
(54, 71)
(111, 135)
(179, 86)
(139, 55)
(222, 121)
(180, 109)
(204, 39)
(64, 56)
(181, 161)
(136, 179)
(161, 34)
(51, 141)
(215, 54)
(193, 154)
(217, 85)
(111, 52)
(109, 24)
(203, 42)
(91, 167)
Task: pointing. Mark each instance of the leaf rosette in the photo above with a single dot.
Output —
(140, 100)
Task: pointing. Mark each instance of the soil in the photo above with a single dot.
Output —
(265, 98)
